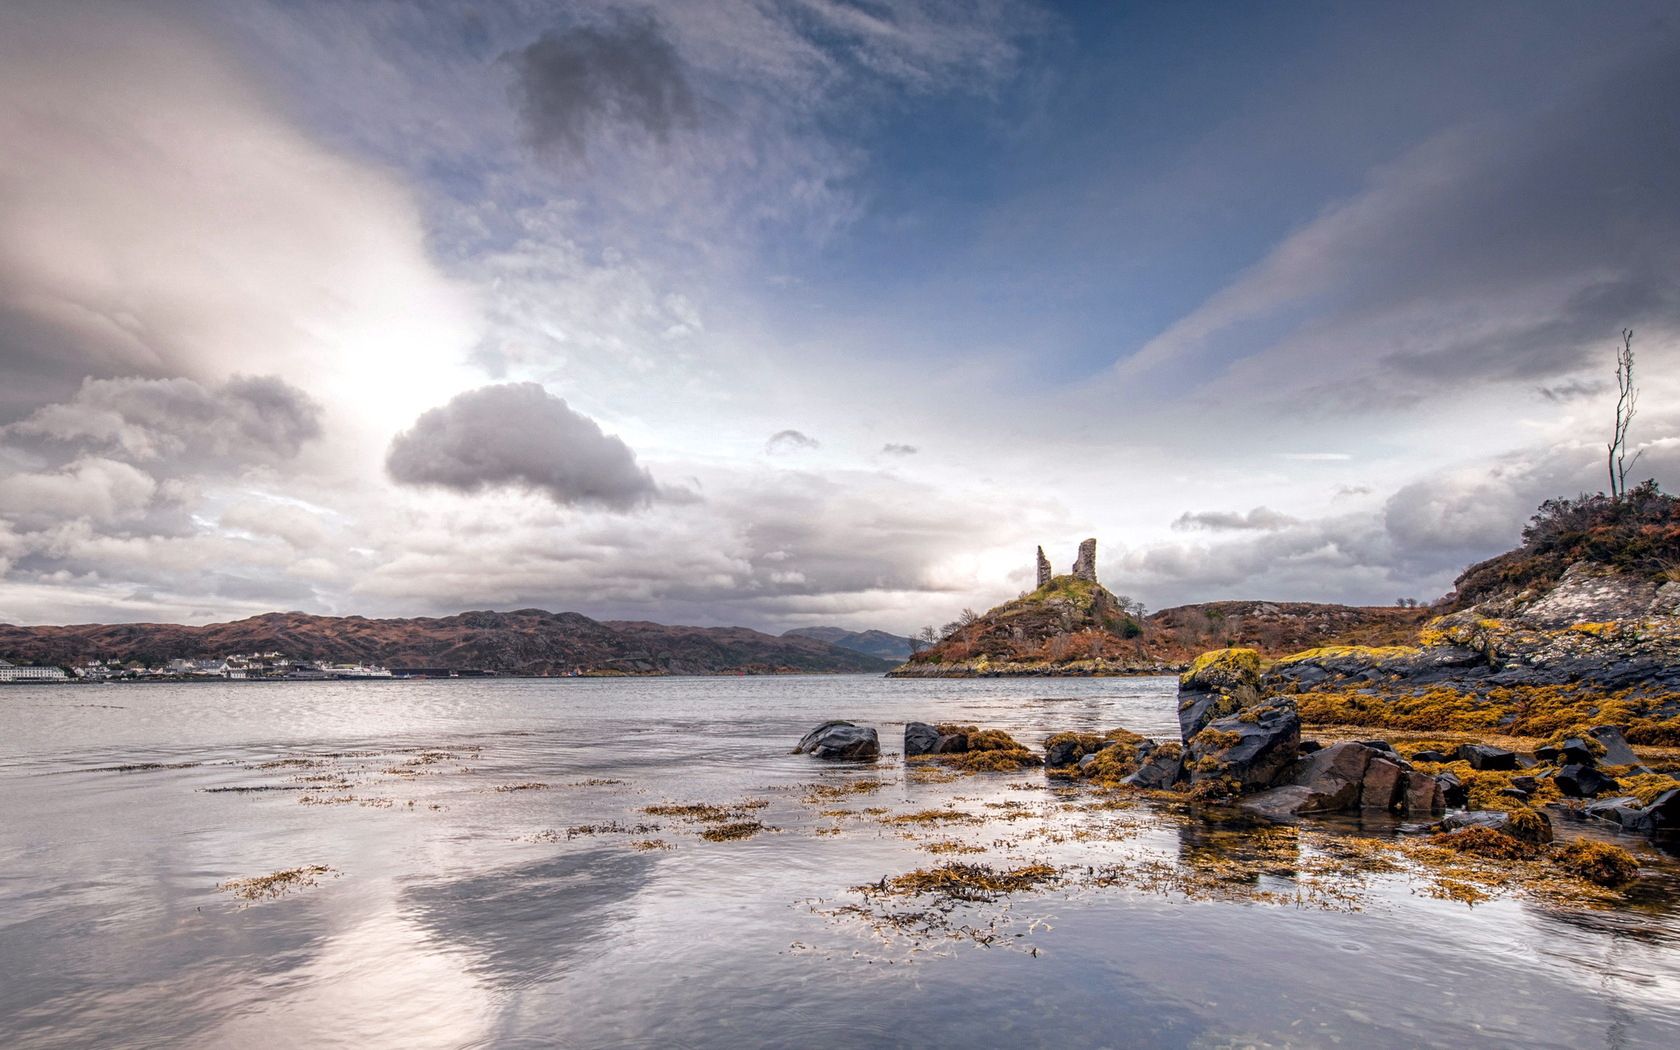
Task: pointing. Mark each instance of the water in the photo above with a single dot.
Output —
(456, 914)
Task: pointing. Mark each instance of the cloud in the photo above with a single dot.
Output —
(790, 441)
(1498, 251)
(302, 529)
(891, 449)
(165, 219)
(570, 84)
(1259, 519)
(1316, 457)
(519, 434)
(180, 423)
(1573, 390)
(94, 488)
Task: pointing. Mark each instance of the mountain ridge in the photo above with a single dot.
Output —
(520, 642)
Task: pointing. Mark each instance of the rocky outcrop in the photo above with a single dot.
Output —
(1044, 572)
(1349, 777)
(839, 739)
(1217, 684)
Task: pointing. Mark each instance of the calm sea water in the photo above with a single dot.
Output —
(459, 912)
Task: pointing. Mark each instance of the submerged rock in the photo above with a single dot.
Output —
(839, 739)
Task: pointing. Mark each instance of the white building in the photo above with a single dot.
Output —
(10, 672)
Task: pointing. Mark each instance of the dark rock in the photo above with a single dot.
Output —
(1279, 802)
(1424, 794)
(1335, 777)
(1579, 781)
(1431, 756)
(1162, 769)
(1384, 786)
(840, 740)
(1453, 792)
(1624, 812)
(1062, 753)
(1218, 684)
(1487, 757)
(919, 739)
(1528, 825)
(1516, 793)
(951, 744)
(1616, 749)
(1548, 754)
(1307, 747)
(1664, 810)
(1575, 752)
(1086, 761)
(1528, 785)
(1378, 745)
(1252, 751)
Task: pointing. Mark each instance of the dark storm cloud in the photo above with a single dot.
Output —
(790, 441)
(1263, 519)
(521, 435)
(1574, 389)
(178, 425)
(570, 83)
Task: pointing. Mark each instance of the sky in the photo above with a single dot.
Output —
(816, 311)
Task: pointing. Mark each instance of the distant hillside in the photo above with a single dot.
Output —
(874, 643)
(1072, 626)
(525, 642)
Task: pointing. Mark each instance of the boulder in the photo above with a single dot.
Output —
(1432, 756)
(1579, 781)
(1424, 794)
(1453, 791)
(1662, 815)
(1548, 754)
(1576, 752)
(841, 740)
(1616, 749)
(1307, 747)
(951, 744)
(1378, 745)
(1161, 769)
(1335, 778)
(919, 739)
(1487, 757)
(1385, 783)
(1625, 812)
(1218, 684)
(1249, 752)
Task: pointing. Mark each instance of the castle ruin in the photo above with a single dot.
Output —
(1084, 566)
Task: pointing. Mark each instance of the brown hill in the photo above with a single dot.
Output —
(525, 642)
(1072, 626)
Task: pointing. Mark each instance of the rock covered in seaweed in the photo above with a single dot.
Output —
(1218, 684)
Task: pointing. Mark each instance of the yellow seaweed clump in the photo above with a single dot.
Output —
(967, 882)
(1486, 842)
(1597, 862)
